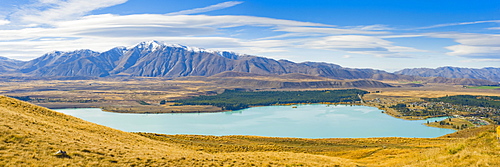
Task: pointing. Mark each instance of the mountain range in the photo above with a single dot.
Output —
(158, 59)
(489, 73)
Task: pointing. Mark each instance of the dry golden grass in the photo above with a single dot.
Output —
(498, 132)
(452, 123)
(31, 135)
(472, 147)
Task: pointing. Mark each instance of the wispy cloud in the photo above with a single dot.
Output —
(70, 27)
(207, 9)
(4, 22)
(471, 45)
(326, 30)
(480, 60)
(51, 11)
(375, 27)
(459, 24)
(360, 44)
(102, 32)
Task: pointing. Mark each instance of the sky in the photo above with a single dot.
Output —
(380, 34)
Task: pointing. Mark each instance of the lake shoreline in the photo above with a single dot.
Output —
(388, 111)
(339, 118)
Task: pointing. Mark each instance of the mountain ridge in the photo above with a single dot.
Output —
(487, 73)
(159, 59)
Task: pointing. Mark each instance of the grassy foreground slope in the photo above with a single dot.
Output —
(30, 135)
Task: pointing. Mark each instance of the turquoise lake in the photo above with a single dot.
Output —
(305, 121)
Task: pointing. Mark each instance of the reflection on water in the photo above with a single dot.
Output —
(305, 121)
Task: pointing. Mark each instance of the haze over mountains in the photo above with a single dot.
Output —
(157, 59)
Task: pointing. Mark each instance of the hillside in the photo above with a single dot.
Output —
(492, 74)
(158, 59)
(9, 65)
(284, 81)
(460, 81)
(30, 136)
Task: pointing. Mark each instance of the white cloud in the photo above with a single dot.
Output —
(177, 22)
(208, 8)
(326, 30)
(4, 22)
(475, 46)
(359, 44)
(374, 27)
(102, 32)
(458, 24)
(51, 11)
(402, 36)
(70, 29)
(474, 51)
(479, 60)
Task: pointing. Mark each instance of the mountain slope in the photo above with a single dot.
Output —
(292, 80)
(158, 59)
(492, 74)
(31, 135)
(460, 81)
(9, 65)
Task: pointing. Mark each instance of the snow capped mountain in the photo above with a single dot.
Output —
(159, 59)
(150, 58)
(150, 45)
(154, 45)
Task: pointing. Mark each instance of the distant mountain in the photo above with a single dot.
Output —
(490, 73)
(292, 80)
(158, 59)
(459, 81)
(9, 65)
(76, 63)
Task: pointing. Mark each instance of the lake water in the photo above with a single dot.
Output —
(305, 121)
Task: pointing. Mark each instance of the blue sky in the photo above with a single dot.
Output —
(385, 34)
